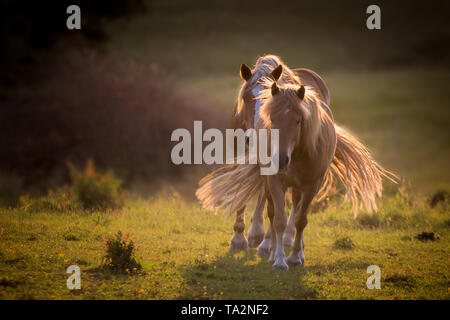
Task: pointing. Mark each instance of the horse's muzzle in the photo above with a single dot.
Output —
(284, 162)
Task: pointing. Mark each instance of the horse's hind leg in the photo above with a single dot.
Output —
(256, 232)
(239, 242)
(264, 247)
(269, 234)
(288, 237)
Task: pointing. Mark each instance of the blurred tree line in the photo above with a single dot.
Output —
(26, 26)
(63, 101)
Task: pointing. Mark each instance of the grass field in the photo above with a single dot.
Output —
(385, 88)
(185, 254)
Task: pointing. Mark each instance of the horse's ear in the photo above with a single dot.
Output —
(246, 73)
(276, 73)
(301, 92)
(274, 89)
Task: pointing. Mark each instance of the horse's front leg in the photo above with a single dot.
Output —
(288, 238)
(278, 223)
(297, 257)
(239, 242)
(289, 233)
(256, 232)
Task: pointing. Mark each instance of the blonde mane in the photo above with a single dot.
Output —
(262, 69)
(310, 108)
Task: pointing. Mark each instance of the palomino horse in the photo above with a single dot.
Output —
(309, 146)
(244, 117)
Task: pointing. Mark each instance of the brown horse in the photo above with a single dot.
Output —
(309, 145)
(243, 117)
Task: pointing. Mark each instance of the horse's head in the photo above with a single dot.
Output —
(284, 110)
(248, 104)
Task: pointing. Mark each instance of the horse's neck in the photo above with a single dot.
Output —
(319, 154)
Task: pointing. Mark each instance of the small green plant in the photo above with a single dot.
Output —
(344, 243)
(441, 196)
(120, 254)
(95, 190)
(100, 218)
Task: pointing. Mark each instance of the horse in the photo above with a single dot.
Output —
(311, 145)
(243, 117)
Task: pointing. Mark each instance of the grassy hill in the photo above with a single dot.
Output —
(185, 255)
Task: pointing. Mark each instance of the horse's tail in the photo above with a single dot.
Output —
(357, 170)
(230, 187)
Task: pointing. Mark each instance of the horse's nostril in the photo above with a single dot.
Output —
(284, 161)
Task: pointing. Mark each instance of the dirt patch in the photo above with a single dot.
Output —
(402, 281)
(9, 283)
(428, 236)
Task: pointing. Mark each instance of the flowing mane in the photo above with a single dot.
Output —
(310, 108)
(263, 67)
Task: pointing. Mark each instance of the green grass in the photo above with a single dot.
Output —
(184, 253)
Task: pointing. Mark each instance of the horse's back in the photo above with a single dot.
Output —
(311, 78)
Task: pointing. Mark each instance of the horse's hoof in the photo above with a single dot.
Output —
(293, 262)
(263, 251)
(255, 241)
(280, 266)
(240, 246)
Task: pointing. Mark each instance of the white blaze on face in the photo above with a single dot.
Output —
(256, 91)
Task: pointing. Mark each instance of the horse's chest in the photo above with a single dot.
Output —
(301, 173)
(296, 179)
(289, 180)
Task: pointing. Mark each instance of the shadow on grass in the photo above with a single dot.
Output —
(342, 264)
(243, 275)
